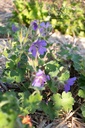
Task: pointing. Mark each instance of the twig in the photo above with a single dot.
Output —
(7, 86)
(71, 114)
(10, 86)
(49, 125)
(34, 122)
(3, 86)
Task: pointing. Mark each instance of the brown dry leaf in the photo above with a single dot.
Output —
(26, 120)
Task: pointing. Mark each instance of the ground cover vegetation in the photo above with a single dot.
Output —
(42, 81)
(65, 16)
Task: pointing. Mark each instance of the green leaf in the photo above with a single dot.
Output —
(53, 68)
(5, 53)
(76, 58)
(11, 64)
(34, 101)
(81, 93)
(7, 121)
(19, 78)
(83, 110)
(15, 75)
(54, 22)
(57, 101)
(3, 119)
(48, 109)
(32, 104)
(35, 97)
(12, 102)
(3, 103)
(67, 101)
(9, 109)
(81, 82)
(52, 85)
(64, 76)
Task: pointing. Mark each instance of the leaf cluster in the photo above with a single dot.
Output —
(68, 18)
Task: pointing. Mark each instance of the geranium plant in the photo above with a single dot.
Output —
(37, 74)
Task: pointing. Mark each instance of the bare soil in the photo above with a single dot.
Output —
(6, 7)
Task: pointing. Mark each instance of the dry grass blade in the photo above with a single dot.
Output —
(77, 123)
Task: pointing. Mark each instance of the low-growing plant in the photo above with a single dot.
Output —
(39, 77)
(66, 17)
(26, 11)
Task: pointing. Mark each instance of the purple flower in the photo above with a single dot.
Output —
(14, 28)
(34, 25)
(43, 27)
(42, 31)
(38, 46)
(40, 79)
(69, 83)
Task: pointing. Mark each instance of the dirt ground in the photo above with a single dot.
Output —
(6, 7)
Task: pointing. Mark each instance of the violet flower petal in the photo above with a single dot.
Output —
(48, 77)
(33, 50)
(43, 43)
(42, 24)
(69, 83)
(36, 83)
(39, 79)
(42, 50)
(14, 28)
(39, 72)
(38, 46)
(34, 25)
(48, 25)
(42, 31)
(66, 87)
(45, 24)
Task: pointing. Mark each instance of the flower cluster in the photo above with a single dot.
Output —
(39, 46)
(43, 27)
